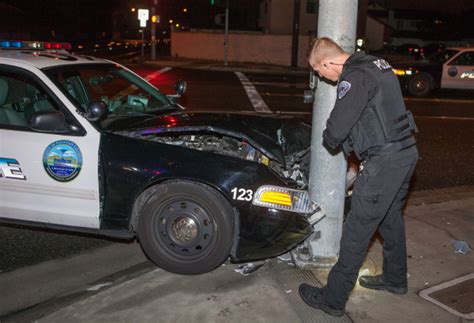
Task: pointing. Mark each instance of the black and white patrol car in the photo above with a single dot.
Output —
(87, 145)
(451, 68)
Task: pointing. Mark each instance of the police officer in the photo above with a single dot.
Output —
(370, 120)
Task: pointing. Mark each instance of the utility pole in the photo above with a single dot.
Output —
(226, 35)
(337, 20)
(143, 42)
(153, 30)
(296, 33)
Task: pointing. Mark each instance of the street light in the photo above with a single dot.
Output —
(143, 16)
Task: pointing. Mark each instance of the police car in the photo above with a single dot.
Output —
(451, 68)
(90, 146)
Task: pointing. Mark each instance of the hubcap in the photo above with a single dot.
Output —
(184, 229)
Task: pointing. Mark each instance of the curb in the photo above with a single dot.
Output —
(231, 68)
(53, 278)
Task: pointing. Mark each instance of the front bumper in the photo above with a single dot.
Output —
(265, 232)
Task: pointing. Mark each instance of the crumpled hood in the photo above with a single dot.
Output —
(274, 136)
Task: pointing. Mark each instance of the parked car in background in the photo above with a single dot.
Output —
(451, 68)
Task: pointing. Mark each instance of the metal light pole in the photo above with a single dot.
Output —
(143, 42)
(226, 35)
(296, 34)
(153, 30)
(337, 20)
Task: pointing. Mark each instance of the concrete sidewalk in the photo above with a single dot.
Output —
(433, 220)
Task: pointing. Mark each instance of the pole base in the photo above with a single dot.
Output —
(302, 258)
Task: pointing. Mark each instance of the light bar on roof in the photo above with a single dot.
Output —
(34, 45)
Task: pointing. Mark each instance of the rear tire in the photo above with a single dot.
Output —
(420, 85)
(186, 227)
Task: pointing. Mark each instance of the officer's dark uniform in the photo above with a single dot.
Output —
(371, 120)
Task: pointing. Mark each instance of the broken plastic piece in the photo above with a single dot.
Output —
(316, 216)
(286, 258)
(461, 247)
(248, 268)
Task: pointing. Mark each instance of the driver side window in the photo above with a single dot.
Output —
(20, 98)
(465, 59)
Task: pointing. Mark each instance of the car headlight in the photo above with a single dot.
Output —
(282, 198)
(402, 72)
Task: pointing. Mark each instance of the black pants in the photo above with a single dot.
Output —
(378, 199)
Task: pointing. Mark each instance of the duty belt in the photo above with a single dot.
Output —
(388, 148)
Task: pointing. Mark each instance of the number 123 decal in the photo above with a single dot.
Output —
(241, 194)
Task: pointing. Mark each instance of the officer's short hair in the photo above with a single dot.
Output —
(324, 48)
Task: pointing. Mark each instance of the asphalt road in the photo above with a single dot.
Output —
(445, 141)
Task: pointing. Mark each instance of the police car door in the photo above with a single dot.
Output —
(458, 73)
(45, 176)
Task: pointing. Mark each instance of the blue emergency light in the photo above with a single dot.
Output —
(11, 44)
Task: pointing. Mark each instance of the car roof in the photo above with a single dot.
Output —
(46, 58)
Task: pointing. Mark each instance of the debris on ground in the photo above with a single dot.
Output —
(249, 268)
(97, 287)
(286, 258)
(461, 247)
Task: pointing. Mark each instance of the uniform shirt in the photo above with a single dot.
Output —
(355, 89)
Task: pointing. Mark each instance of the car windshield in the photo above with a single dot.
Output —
(124, 93)
(442, 56)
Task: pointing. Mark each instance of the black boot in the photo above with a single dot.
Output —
(379, 283)
(314, 297)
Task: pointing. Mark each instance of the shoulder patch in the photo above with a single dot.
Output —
(342, 89)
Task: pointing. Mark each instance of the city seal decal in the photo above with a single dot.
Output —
(342, 89)
(62, 160)
(452, 71)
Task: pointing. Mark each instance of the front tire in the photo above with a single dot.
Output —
(420, 85)
(186, 228)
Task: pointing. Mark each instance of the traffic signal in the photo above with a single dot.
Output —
(213, 2)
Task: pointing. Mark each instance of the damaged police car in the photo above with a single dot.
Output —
(89, 146)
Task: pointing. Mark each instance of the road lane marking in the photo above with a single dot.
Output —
(445, 118)
(257, 102)
(439, 100)
(155, 74)
(282, 94)
(283, 84)
(133, 88)
(416, 117)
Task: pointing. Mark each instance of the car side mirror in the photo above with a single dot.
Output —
(48, 121)
(96, 111)
(180, 87)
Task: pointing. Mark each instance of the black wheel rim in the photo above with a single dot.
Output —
(421, 86)
(185, 228)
